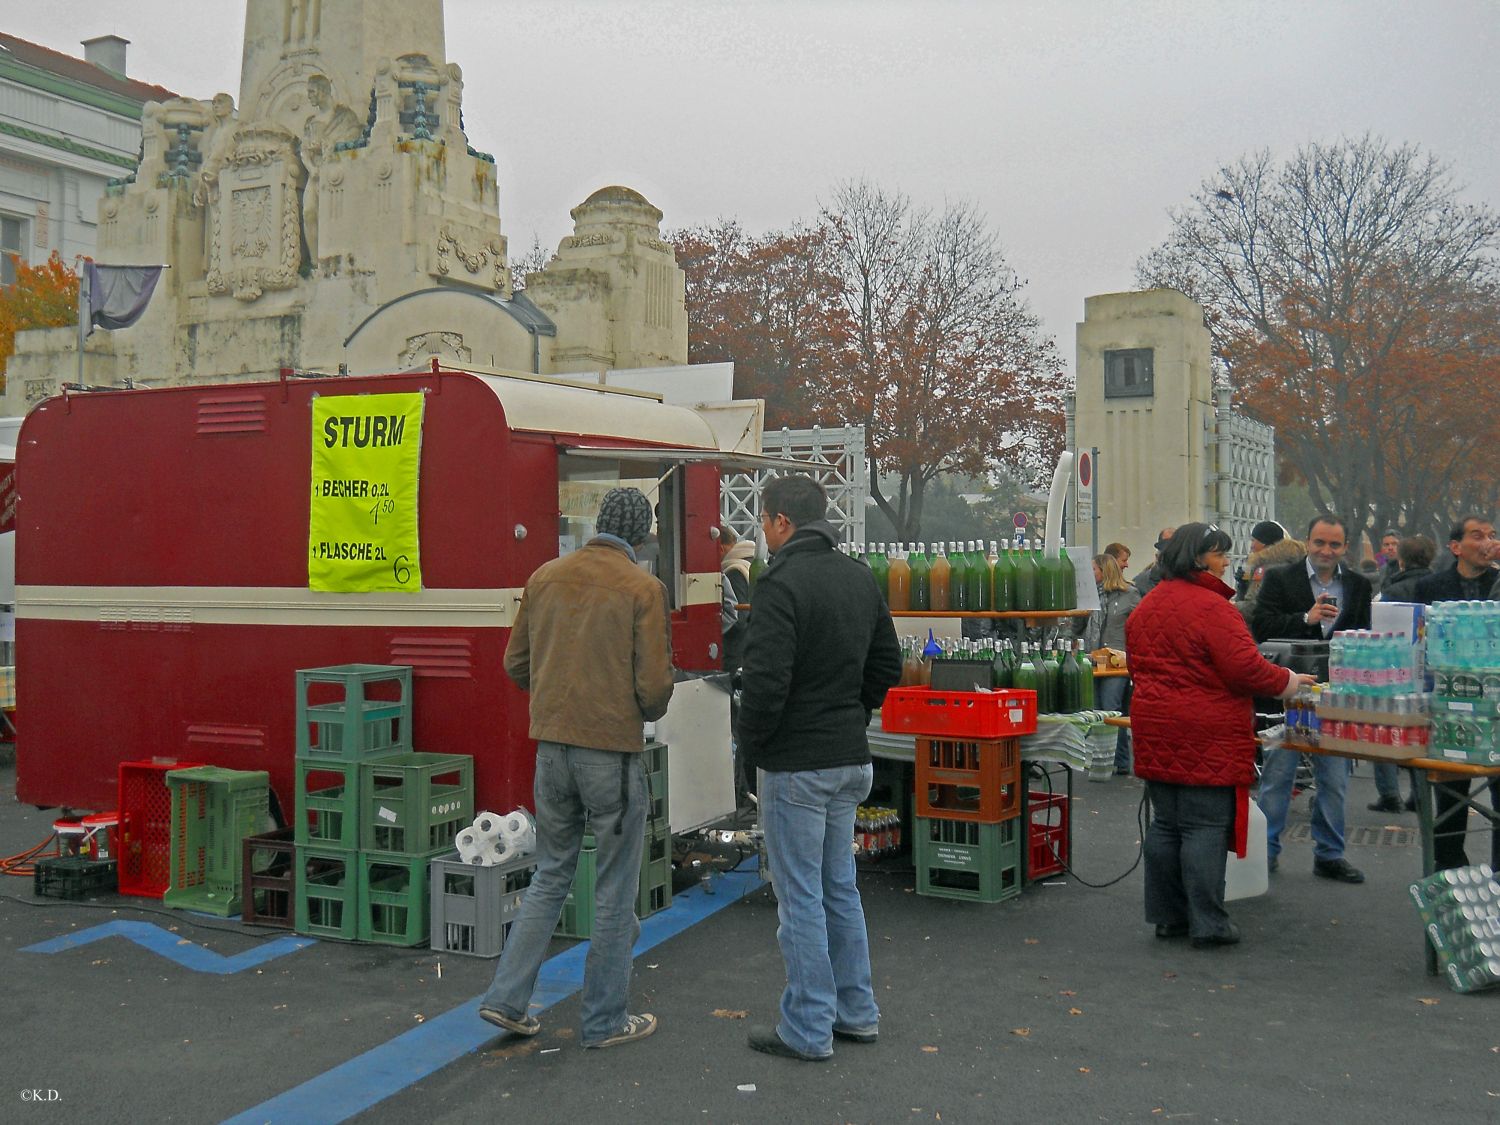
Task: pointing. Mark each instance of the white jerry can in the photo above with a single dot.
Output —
(1246, 878)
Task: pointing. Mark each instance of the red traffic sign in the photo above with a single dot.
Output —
(1019, 519)
(1085, 469)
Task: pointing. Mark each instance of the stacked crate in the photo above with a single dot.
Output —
(213, 810)
(968, 832)
(370, 812)
(656, 858)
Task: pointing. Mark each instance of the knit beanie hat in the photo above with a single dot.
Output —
(625, 512)
(1267, 532)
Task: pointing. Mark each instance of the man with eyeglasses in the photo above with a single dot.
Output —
(1310, 600)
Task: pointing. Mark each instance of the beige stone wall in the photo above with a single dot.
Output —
(302, 233)
(1154, 465)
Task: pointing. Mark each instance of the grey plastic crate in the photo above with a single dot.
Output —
(473, 907)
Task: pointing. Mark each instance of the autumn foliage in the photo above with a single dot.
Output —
(1354, 302)
(44, 296)
(886, 316)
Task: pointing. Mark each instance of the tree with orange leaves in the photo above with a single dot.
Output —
(44, 296)
(1352, 299)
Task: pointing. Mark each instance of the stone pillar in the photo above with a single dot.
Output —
(1144, 396)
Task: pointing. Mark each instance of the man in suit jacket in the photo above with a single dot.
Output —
(1309, 600)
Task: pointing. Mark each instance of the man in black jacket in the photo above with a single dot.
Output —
(1309, 600)
(819, 655)
(1472, 578)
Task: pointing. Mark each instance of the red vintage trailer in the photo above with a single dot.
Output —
(162, 568)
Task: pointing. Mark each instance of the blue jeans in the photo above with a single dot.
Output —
(1187, 852)
(1278, 771)
(1109, 695)
(574, 782)
(1388, 783)
(808, 819)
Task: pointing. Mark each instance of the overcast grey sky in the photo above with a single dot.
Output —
(1072, 125)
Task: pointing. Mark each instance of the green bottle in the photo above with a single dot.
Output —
(1048, 670)
(1024, 675)
(979, 578)
(1026, 579)
(1086, 668)
(1048, 581)
(1002, 673)
(1003, 580)
(1070, 685)
(1069, 578)
(921, 578)
(879, 568)
(958, 578)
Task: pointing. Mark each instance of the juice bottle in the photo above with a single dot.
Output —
(939, 580)
(921, 579)
(1026, 579)
(1068, 578)
(1048, 584)
(1070, 685)
(1047, 670)
(1003, 581)
(958, 579)
(1024, 675)
(978, 579)
(1086, 667)
(879, 567)
(898, 580)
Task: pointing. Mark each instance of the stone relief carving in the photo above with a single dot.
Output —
(38, 389)
(427, 344)
(598, 238)
(655, 244)
(473, 260)
(257, 245)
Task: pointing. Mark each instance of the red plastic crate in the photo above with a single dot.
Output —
(959, 714)
(145, 805)
(1047, 835)
(969, 779)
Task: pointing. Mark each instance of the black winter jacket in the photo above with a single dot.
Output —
(1448, 586)
(819, 655)
(1402, 586)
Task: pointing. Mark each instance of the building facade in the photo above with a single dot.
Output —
(68, 126)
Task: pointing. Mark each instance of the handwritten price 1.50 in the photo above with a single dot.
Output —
(381, 508)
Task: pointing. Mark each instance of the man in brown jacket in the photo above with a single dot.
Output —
(592, 645)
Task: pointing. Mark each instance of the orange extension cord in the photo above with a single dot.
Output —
(21, 863)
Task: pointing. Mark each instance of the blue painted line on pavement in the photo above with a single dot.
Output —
(367, 1079)
(186, 953)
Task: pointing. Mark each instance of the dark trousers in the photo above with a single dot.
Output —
(1448, 839)
(1187, 849)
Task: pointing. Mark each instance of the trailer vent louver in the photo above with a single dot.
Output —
(232, 414)
(202, 737)
(435, 657)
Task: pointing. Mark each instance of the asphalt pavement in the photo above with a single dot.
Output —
(1057, 1006)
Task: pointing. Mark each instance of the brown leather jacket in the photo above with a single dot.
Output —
(592, 643)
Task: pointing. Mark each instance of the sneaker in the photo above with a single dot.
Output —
(768, 1042)
(636, 1027)
(526, 1025)
(857, 1034)
(1385, 804)
(1339, 869)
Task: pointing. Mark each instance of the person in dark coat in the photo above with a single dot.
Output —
(1147, 579)
(1308, 601)
(1196, 672)
(1414, 562)
(1473, 546)
(820, 654)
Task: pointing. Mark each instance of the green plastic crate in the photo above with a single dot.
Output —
(656, 796)
(577, 919)
(327, 803)
(964, 859)
(415, 804)
(353, 711)
(327, 893)
(213, 810)
(394, 902)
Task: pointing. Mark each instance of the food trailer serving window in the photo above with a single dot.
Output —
(586, 473)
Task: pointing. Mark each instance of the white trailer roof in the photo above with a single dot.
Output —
(551, 406)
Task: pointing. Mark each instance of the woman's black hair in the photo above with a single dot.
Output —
(1191, 541)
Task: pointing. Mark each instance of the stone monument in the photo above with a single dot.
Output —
(336, 219)
(1171, 449)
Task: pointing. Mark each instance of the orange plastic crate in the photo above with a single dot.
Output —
(959, 714)
(969, 779)
(1047, 835)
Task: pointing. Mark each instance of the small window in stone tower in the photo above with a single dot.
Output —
(12, 241)
(1128, 373)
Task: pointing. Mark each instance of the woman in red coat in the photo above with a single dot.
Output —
(1196, 671)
